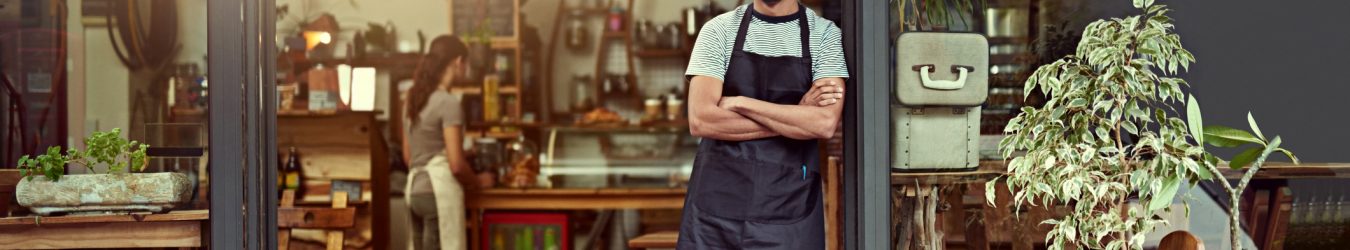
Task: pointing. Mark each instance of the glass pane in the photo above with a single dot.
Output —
(76, 69)
(550, 97)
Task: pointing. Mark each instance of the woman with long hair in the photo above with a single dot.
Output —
(433, 143)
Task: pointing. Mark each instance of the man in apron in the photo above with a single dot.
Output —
(767, 82)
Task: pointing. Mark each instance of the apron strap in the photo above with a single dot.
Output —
(740, 32)
(806, 36)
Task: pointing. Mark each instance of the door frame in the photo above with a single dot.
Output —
(241, 48)
(867, 199)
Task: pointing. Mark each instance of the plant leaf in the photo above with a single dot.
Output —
(1246, 157)
(1289, 154)
(1194, 121)
(1221, 136)
(1255, 130)
(1164, 198)
(989, 192)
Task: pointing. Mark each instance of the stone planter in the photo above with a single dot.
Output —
(153, 192)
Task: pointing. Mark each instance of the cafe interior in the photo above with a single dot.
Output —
(573, 112)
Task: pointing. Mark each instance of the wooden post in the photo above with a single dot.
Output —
(335, 236)
(284, 235)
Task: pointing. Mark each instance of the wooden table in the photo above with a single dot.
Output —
(137, 230)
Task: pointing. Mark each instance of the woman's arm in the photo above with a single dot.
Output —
(708, 120)
(403, 136)
(800, 122)
(454, 153)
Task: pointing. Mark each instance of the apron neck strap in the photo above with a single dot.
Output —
(801, 24)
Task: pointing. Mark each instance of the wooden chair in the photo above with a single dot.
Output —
(333, 219)
(1181, 240)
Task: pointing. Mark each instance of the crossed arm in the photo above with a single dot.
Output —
(736, 118)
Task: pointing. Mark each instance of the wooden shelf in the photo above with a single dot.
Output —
(662, 53)
(184, 215)
(476, 90)
(1004, 59)
(609, 129)
(320, 113)
(609, 34)
(488, 133)
(1008, 40)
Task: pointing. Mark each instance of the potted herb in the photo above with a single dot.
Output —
(47, 188)
(1108, 144)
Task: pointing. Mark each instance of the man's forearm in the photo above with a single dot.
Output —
(721, 124)
(794, 121)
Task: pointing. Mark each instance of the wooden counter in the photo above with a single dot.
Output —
(575, 198)
(137, 230)
(478, 201)
(1266, 204)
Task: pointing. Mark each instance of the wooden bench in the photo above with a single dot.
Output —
(665, 239)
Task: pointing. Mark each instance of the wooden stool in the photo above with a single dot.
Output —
(665, 239)
(333, 219)
(1181, 240)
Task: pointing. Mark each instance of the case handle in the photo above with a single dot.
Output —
(961, 71)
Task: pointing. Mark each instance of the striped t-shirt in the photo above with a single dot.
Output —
(768, 36)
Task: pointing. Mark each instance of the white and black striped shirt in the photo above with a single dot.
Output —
(768, 36)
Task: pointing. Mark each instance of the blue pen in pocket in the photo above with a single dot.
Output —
(803, 171)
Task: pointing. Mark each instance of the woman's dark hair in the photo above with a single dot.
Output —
(443, 51)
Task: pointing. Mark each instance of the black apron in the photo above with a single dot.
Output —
(758, 194)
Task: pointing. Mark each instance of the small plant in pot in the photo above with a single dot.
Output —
(47, 189)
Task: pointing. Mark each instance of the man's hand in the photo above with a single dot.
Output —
(823, 93)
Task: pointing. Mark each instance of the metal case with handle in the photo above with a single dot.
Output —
(941, 81)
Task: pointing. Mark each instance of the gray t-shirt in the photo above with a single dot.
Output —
(426, 136)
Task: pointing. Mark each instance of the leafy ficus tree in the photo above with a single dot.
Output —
(1105, 136)
(1108, 135)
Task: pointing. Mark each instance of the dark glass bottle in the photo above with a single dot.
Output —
(294, 174)
(281, 174)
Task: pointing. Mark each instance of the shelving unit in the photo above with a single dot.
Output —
(1009, 62)
(510, 87)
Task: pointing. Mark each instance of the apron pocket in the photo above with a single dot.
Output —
(724, 185)
(757, 191)
(784, 194)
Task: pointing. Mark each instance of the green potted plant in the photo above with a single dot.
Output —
(46, 188)
(1108, 145)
